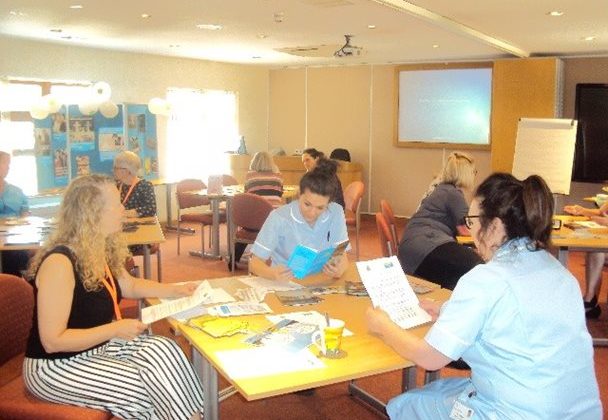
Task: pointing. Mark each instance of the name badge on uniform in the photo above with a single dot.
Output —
(460, 411)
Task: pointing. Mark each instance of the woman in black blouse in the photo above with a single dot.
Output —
(136, 194)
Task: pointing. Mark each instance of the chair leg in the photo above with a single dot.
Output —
(178, 231)
(233, 254)
(357, 238)
(203, 239)
(159, 266)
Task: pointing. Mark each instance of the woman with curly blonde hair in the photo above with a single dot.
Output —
(80, 350)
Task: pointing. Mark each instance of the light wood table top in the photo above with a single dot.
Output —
(366, 354)
(28, 233)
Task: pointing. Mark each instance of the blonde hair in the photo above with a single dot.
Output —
(78, 228)
(128, 160)
(459, 170)
(263, 162)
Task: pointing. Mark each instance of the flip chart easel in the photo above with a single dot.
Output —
(545, 147)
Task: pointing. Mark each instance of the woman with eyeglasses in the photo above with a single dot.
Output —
(428, 248)
(136, 194)
(517, 320)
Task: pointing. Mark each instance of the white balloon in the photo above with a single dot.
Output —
(108, 109)
(157, 105)
(38, 111)
(167, 109)
(88, 107)
(102, 91)
(52, 103)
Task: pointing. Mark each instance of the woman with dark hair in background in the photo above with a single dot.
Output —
(310, 158)
(429, 248)
(313, 220)
(518, 321)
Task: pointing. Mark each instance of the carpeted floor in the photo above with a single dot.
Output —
(330, 402)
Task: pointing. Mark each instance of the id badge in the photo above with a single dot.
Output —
(461, 411)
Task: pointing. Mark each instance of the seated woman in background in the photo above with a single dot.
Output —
(594, 261)
(310, 158)
(528, 360)
(80, 350)
(136, 194)
(313, 220)
(428, 248)
(265, 180)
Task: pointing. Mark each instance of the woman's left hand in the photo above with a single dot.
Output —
(186, 289)
(376, 320)
(335, 267)
(602, 220)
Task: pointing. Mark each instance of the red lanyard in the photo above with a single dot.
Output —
(111, 287)
(124, 200)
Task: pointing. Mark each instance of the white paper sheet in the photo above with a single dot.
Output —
(162, 310)
(266, 361)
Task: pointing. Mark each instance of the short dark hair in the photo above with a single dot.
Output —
(524, 207)
(322, 179)
(314, 153)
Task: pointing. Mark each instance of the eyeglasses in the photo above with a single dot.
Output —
(468, 220)
(116, 168)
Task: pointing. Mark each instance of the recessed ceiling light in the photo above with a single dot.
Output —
(68, 37)
(371, 26)
(174, 45)
(16, 13)
(279, 17)
(588, 38)
(76, 6)
(555, 13)
(435, 45)
(262, 36)
(256, 57)
(209, 26)
(57, 30)
(146, 16)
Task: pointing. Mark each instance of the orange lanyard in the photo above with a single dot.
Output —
(111, 287)
(124, 200)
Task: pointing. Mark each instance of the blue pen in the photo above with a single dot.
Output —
(328, 236)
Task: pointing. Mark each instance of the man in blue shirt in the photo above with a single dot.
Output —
(13, 203)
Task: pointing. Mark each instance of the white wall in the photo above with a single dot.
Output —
(136, 78)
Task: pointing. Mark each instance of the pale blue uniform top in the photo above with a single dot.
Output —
(519, 322)
(285, 228)
(12, 202)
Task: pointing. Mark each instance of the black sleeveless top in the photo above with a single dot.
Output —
(89, 309)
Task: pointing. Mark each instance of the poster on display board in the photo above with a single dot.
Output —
(141, 133)
(90, 138)
(69, 144)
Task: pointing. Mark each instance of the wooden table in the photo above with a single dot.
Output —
(28, 233)
(366, 354)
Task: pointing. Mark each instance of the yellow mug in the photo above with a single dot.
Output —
(329, 340)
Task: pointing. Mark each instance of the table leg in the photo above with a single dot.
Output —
(208, 377)
(362, 395)
(215, 233)
(408, 378)
(147, 265)
(562, 256)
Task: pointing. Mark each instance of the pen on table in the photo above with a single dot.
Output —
(328, 236)
(327, 319)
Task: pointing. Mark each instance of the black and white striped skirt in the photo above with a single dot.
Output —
(148, 377)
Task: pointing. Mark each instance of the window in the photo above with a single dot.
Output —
(17, 126)
(202, 127)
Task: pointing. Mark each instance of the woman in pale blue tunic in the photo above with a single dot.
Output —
(518, 321)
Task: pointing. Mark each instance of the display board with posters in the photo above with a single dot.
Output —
(69, 144)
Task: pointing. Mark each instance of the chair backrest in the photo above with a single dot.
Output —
(353, 194)
(229, 180)
(250, 210)
(16, 311)
(389, 217)
(184, 200)
(384, 235)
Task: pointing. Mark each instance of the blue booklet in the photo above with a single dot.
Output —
(305, 261)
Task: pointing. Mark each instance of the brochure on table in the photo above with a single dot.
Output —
(69, 143)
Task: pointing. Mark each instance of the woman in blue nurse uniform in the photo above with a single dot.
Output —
(518, 321)
(313, 220)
